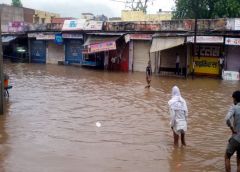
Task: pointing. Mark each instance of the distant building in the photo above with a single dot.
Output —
(101, 18)
(87, 16)
(141, 16)
(15, 19)
(115, 19)
(57, 23)
(43, 17)
(10, 14)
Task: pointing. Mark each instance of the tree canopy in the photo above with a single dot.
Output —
(208, 9)
(16, 3)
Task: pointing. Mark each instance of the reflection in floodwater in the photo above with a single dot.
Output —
(54, 112)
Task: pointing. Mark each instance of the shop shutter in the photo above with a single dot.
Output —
(38, 51)
(141, 55)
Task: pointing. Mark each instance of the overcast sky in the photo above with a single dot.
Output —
(74, 8)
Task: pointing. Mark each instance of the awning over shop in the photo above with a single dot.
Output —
(159, 44)
(7, 39)
(99, 43)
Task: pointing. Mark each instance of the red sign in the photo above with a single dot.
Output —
(16, 26)
(129, 37)
(105, 46)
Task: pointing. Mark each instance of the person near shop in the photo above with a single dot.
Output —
(233, 122)
(193, 69)
(177, 64)
(148, 74)
(6, 85)
(178, 116)
(221, 64)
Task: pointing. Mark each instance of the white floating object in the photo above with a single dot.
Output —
(98, 124)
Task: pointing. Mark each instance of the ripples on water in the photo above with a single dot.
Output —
(52, 112)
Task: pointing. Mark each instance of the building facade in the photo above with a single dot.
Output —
(128, 16)
(44, 17)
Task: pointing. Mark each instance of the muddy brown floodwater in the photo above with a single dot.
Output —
(51, 115)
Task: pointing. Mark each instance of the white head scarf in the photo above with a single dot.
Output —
(177, 102)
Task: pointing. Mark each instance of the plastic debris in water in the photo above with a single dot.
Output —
(98, 124)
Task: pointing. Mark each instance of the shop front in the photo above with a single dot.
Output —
(232, 54)
(73, 36)
(44, 48)
(139, 51)
(106, 52)
(73, 47)
(232, 59)
(38, 51)
(206, 54)
(15, 48)
(166, 51)
(55, 52)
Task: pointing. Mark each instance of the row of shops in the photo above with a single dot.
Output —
(127, 51)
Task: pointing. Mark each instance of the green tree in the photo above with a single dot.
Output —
(16, 3)
(206, 9)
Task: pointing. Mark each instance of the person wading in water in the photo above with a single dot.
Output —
(148, 74)
(179, 113)
(233, 122)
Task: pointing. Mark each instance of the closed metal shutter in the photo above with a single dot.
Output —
(55, 53)
(38, 51)
(233, 58)
(74, 51)
(141, 55)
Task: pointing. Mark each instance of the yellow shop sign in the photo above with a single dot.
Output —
(206, 65)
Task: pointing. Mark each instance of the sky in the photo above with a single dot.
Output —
(74, 8)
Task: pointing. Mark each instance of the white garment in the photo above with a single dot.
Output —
(178, 111)
(178, 59)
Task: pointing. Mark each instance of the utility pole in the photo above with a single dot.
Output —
(195, 6)
(1, 67)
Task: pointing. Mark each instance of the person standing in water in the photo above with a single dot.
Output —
(179, 113)
(177, 64)
(148, 74)
(233, 122)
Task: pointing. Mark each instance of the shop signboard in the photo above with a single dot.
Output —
(129, 37)
(74, 24)
(237, 24)
(16, 26)
(105, 46)
(206, 65)
(58, 39)
(42, 36)
(233, 41)
(45, 36)
(206, 39)
(231, 75)
(93, 25)
(207, 51)
(72, 36)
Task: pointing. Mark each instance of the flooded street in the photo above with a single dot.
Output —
(51, 115)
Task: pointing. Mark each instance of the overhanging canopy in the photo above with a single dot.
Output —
(7, 39)
(99, 39)
(159, 44)
(99, 43)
